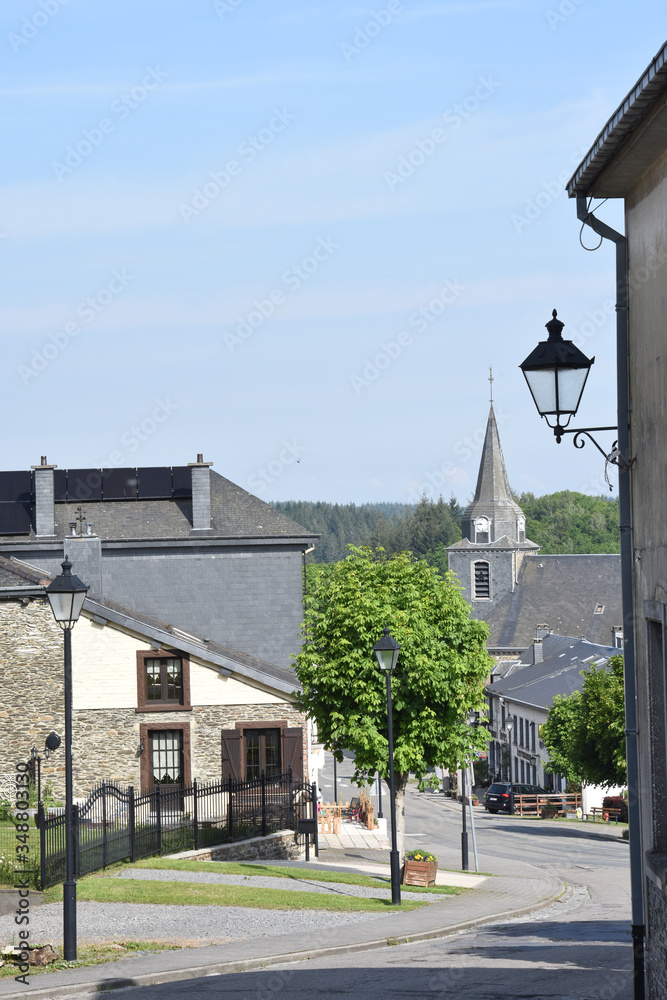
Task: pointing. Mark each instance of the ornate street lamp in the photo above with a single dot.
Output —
(509, 726)
(387, 649)
(66, 595)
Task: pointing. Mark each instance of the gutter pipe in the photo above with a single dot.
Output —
(625, 526)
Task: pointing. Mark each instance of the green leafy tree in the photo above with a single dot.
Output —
(567, 522)
(440, 675)
(584, 732)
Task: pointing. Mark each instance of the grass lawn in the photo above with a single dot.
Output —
(277, 871)
(101, 889)
(92, 954)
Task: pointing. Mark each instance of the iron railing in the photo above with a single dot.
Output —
(114, 824)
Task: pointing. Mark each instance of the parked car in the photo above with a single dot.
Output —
(497, 798)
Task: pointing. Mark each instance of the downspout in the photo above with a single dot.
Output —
(625, 526)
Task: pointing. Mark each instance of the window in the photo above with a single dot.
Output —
(532, 740)
(521, 735)
(262, 753)
(166, 758)
(482, 581)
(163, 682)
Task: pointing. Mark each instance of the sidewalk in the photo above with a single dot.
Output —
(353, 835)
(516, 889)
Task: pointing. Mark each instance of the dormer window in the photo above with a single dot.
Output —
(481, 581)
(482, 530)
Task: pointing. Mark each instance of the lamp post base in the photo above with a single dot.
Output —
(464, 851)
(395, 867)
(69, 921)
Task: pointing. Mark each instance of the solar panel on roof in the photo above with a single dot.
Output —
(16, 486)
(182, 481)
(60, 485)
(154, 484)
(14, 518)
(119, 484)
(84, 484)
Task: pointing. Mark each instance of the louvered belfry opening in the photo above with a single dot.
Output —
(482, 580)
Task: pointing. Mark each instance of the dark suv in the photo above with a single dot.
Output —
(497, 796)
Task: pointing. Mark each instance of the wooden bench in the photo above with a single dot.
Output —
(606, 813)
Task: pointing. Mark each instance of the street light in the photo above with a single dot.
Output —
(387, 649)
(66, 595)
(509, 726)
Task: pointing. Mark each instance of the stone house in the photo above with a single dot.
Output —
(151, 702)
(628, 160)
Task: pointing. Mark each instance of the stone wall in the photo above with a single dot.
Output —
(656, 943)
(105, 741)
(279, 846)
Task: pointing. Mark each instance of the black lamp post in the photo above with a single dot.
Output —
(509, 725)
(66, 596)
(387, 649)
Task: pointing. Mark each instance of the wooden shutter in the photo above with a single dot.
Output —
(293, 752)
(231, 755)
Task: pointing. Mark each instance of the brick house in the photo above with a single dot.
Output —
(151, 702)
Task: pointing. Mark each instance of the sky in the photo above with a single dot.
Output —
(294, 236)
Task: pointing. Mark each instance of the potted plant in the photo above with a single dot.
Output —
(420, 868)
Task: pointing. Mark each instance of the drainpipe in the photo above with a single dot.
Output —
(636, 877)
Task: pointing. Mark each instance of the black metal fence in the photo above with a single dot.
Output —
(114, 824)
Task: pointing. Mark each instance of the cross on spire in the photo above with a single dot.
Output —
(491, 381)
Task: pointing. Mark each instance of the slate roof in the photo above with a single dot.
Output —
(16, 575)
(538, 684)
(563, 592)
(235, 513)
(493, 496)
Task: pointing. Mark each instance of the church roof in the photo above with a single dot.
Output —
(576, 595)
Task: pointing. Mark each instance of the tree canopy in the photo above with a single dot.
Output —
(584, 732)
(567, 522)
(440, 675)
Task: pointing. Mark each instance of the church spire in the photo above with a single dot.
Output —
(493, 513)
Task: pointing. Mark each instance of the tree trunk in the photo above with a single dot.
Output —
(401, 784)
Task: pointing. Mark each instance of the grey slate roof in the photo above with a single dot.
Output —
(17, 576)
(235, 513)
(562, 592)
(565, 658)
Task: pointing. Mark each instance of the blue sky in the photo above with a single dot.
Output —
(293, 236)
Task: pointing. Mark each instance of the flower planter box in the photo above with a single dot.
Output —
(420, 873)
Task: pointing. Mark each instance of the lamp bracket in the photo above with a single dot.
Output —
(614, 457)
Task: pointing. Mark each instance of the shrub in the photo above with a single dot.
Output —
(617, 802)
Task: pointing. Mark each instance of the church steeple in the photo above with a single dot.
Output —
(493, 514)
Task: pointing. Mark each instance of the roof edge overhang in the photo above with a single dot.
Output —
(227, 663)
(640, 107)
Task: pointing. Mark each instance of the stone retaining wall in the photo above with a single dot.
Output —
(280, 846)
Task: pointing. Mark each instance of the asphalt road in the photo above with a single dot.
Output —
(579, 947)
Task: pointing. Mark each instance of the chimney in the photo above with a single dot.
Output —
(45, 521)
(201, 494)
(541, 631)
(85, 554)
(538, 651)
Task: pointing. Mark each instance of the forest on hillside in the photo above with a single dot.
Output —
(560, 523)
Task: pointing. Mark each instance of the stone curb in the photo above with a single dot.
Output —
(249, 965)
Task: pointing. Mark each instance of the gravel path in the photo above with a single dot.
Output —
(267, 882)
(183, 925)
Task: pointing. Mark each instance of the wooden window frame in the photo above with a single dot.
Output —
(143, 705)
(145, 764)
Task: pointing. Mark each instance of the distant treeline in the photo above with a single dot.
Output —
(559, 522)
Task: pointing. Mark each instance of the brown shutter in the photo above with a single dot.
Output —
(293, 752)
(231, 754)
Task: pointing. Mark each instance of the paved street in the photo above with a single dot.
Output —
(578, 947)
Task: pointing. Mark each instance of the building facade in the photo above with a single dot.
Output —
(629, 161)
